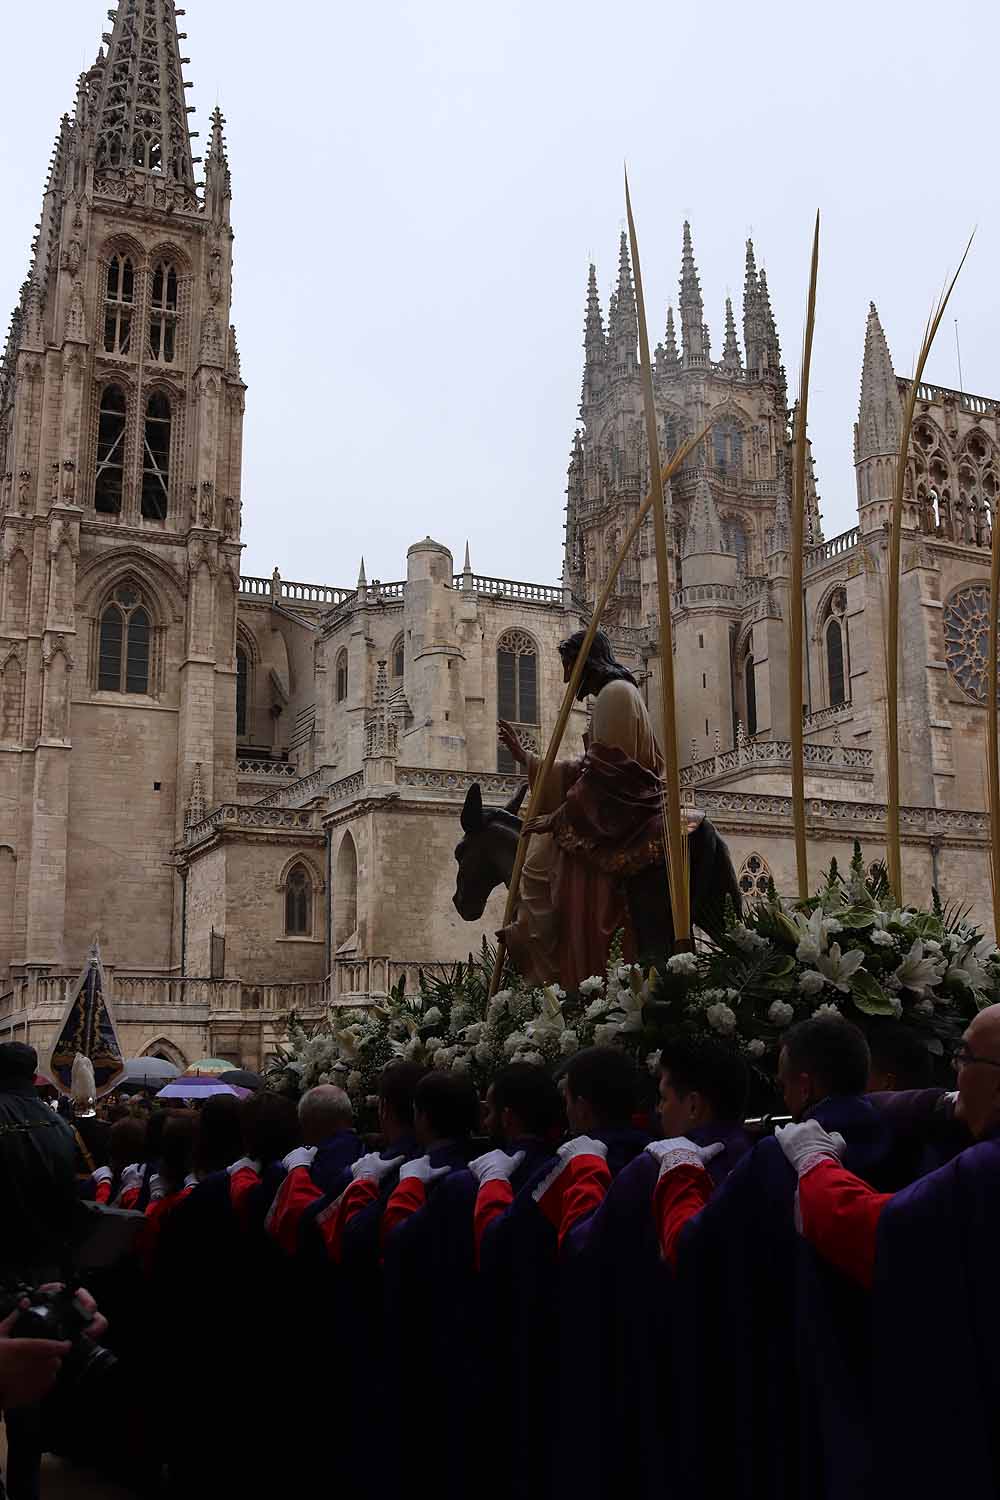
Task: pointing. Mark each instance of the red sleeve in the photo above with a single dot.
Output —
(840, 1215)
(407, 1197)
(574, 1189)
(102, 1193)
(293, 1198)
(492, 1200)
(587, 1187)
(332, 1222)
(680, 1194)
(129, 1198)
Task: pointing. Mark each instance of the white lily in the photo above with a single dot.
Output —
(814, 934)
(919, 974)
(967, 966)
(837, 968)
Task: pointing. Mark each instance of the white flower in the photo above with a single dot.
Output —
(814, 934)
(967, 967)
(780, 1014)
(917, 973)
(810, 983)
(605, 1035)
(569, 1043)
(624, 973)
(837, 967)
(535, 1059)
(829, 1010)
(474, 1033)
(653, 1062)
(354, 1082)
(881, 938)
(461, 1062)
(497, 1005)
(745, 939)
(461, 1015)
(930, 946)
(721, 1019)
(596, 1008)
(433, 1016)
(483, 1054)
(433, 1043)
(756, 1048)
(443, 1058)
(592, 986)
(683, 963)
(514, 1042)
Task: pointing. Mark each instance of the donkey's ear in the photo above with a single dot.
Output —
(514, 805)
(472, 812)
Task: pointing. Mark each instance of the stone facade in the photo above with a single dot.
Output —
(249, 788)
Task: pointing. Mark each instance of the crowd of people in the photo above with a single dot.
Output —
(596, 1300)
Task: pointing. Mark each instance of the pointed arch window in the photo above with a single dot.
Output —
(156, 458)
(124, 640)
(341, 676)
(750, 690)
(110, 481)
(517, 690)
(734, 535)
(835, 663)
(119, 306)
(163, 314)
(398, 659)
(298, 902)
(242, 692)
(727, 446)
(755, 878)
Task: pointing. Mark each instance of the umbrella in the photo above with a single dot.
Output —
(199, 1088)
(147, 1071)
(243, 1079)
(210, 1065)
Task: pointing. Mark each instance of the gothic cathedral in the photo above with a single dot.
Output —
(248, 789)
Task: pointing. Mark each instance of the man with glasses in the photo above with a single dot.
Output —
(940, 1235)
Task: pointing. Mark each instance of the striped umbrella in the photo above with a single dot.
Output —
(211, 1066)
(206, 1087)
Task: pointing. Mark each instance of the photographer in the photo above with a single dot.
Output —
(39, 1197)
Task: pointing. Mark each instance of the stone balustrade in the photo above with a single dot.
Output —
(845, 542)
(764, 754)
(270, 770)
(267, 819)
(133, 995)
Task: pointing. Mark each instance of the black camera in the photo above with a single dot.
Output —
(87, 1370)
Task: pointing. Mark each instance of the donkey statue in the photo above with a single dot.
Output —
(486, 859)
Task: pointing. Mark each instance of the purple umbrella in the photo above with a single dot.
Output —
(200, 1088)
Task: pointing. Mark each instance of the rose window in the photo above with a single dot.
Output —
(966, 631)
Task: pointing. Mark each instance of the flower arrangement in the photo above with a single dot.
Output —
(848, 952)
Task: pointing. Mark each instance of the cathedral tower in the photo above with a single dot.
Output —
(121, 410)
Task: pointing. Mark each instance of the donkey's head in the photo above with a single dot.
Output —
(486, 854)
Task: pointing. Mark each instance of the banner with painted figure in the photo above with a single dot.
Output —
(88, 1028)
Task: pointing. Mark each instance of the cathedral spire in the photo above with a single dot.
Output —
(142, 107)
(362, 580)
(731, 357)
(691, 305)
(595, 344)
(877, 431)
(704, 529)
(667, 358)
(218, 181)
(623, 333)
(753, 326)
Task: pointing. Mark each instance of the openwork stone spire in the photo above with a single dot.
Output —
(704, 529)
(142, 113)
(691, 305)
(731, 357)
(879, 412)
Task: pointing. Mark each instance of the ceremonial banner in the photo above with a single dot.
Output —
(88, 1028)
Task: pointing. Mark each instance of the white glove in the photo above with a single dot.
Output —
(132, 1176)
(302, 1156)
(103, 1174)
(495, 1166)
(422, 1171)
(678, 1151)
(374, 1167)
(582, 1145)
(807, 1144)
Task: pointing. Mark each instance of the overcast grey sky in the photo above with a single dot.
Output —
(418, 189)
